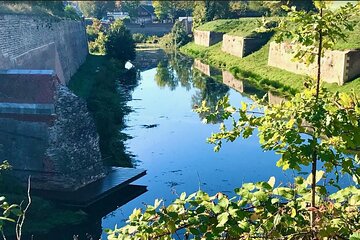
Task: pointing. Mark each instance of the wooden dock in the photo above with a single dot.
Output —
(117, 179)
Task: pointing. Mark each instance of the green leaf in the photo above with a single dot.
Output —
(319, 175)
(271, 181)
(222, 219)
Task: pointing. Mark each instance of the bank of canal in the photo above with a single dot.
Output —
(169, 138)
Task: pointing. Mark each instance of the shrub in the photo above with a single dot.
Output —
(120, 44)
(70, 12)
(139, 38)
(98, 46)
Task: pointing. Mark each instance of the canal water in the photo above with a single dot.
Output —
(169, 138)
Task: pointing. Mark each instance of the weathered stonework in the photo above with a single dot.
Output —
(232, 82)
(205, 68)
(207, 38)
(337, 66)
(275, 99)
(31, 42)
(241, 46)
(60, 148)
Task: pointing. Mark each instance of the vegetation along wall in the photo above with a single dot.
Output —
(241, 46)
(31, 42)
(337, 66)
(207, 38)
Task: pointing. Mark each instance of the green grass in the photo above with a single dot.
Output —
(254, 68)
(36, 8)
(242, 27)
(83, 80)
(98, 81)
(352, 40)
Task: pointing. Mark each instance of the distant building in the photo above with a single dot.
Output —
(145, 14)
(118, 15)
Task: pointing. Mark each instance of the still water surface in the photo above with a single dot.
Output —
(169, 138)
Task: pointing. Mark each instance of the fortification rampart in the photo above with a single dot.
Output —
(207, 38)
(337, 66)
(30, 42)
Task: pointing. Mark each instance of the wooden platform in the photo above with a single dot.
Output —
(117, 179)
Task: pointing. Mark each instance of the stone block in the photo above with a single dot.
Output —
(232, 82)
(207, 38)
(241, 46)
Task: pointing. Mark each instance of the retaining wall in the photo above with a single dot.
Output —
(207, 38)
(241, 46)
(47, 132)
(231, 81)
(205, 68)
(30, 42)
(337, 66)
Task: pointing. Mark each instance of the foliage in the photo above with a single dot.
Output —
(70, 12)
(8, 212)
(131, 7)
(105, 86)
(42, 8)
(96, 9)
(120, 44)
(208, 10)
(98, 46)
(259, 211)
(329, 26)
(139, 37)
(93, 30)
(172, 9)
(176, 38)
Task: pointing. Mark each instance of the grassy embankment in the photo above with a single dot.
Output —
(31, 8)
(254, 67)
(98, 82)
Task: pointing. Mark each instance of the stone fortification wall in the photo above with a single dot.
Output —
(48, 132)
(231, 81)
(241, 46)
(205, 68)
(337, 66)
(30, 42)
(207, 38)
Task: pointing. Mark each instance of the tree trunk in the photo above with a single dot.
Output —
(314, 155)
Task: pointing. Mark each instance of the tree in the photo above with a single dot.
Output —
(164, 9)
(120, 44)
(131, 7)
(97, 9)
(208, 10)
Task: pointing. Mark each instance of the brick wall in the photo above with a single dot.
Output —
(30, 42)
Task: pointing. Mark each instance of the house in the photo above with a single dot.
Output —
(145, 14)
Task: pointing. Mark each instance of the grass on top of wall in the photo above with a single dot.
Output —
(239, 27)
(255, 69)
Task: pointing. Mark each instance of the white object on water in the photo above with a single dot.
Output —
(129, 65)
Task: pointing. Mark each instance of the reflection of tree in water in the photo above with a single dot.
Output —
(210, 91)
(177, 70)
(165, 75)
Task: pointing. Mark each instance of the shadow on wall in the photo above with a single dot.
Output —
(42, 43)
